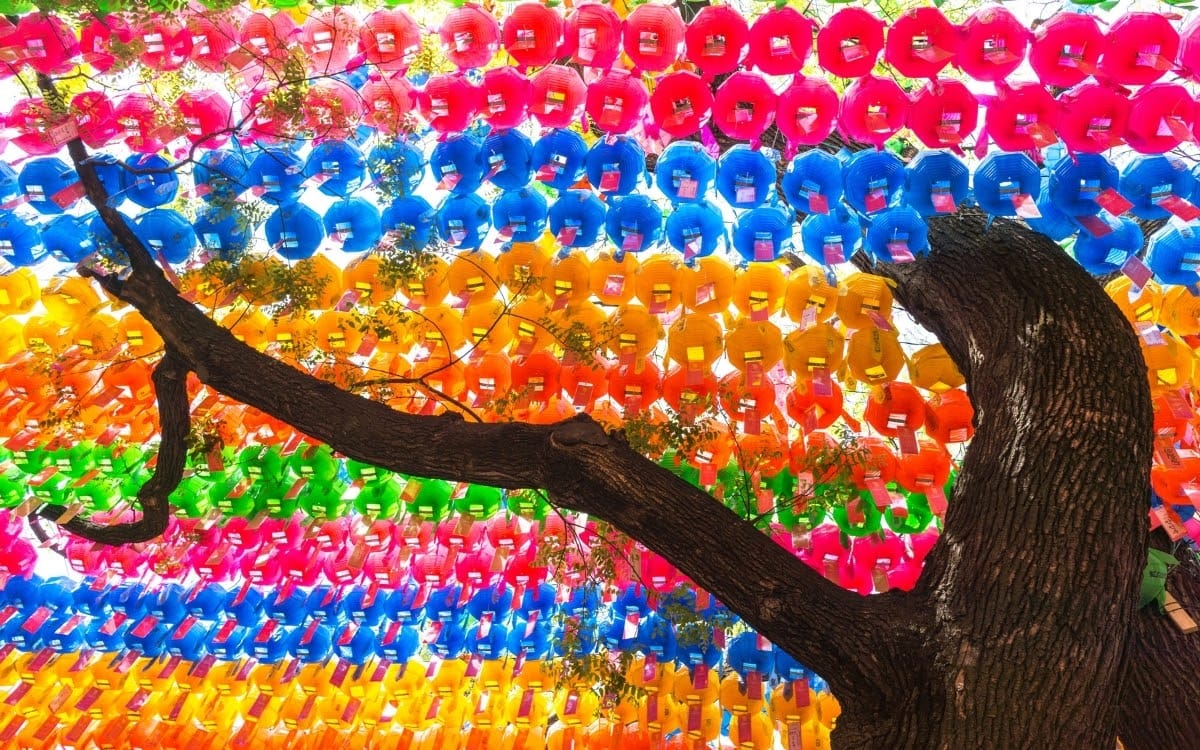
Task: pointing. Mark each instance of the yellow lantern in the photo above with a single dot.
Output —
(485, 327)
(932, 369)
(809, 298)
(707, 285)
(695, 341)
(567, 281)
(1138, 308)
(758, 290)
(19, 292)
(754, 348)
(820, 347)
(136, 333)
(635, 333)
(473, 278)
(657, 284)
(874, 355)
(521, 268)
(364, 275)
(866, 300)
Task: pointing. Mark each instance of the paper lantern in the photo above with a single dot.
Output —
(1076, 185)
(993, 44)
(745, 177)
(1161, 116)
(813, 182)
(49, 185)
(458, 165)
(897, 235)
(1066, 49)
(507, 156)
(867, 300)
(95, 118)
(809, 297)
(67, 239)
(387, 102)
(218, 232)
(506, 97)
(943, 113)
(716, 38)
(138, 116)
(830, 238)
(276, 176)
(332, 109)
(576, 218)
(1172, 255)
(780, 41)
(763, 234)
(559, 158)
(1092, 118)
(873, 180)
(520, 215)
(874, 356)
(690, 396)
(263, 39)
(932, 368)
(220, 173)
(1007, 184)
(338, 166)
(49, 44)
(470, 36)
(744, 106)
(449, 102)
(557, 96)
(167, 233)
(921, 42)
(1051, 220)
(294, 231)
(152, 182)
(1021, 118)
(390, 39)
(849, 43)
(1189, 48)
(206, 117)
(532, 34)
(396, 166)
(592, 35)
(329, 39)
(20, 243)
(1139, 48)
(213, 39)
(805, 111)
(1159, 187)
(96, 39)
(685, 172)
(1107, 253)
(695, 229)
(615, 166)
(616, 100)
(948, 417)
(32, 119)
(463, 220)
(355, 223)
(166, 44)
(633, 223)
(937, 182)
(873, 110)
(653, 36)
(681, 103)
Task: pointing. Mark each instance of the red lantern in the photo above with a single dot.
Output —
(921, 42)
(635, 386)
(806, 109)
(470, 36)
(212, 42)
(681, 103)
(653, 36)
(1161, 116)
(31, 118)
(690, 393)
(49, 45)
(96, 40)
(262, 122)
(536, 376)
(557, 96)
(387, 103)
(332, 109)
(449, 102)
(166, 45)
(948, 417)
(329, 38)
(206, 117)
(780, 41)
(716, 39)
(616, 101)
(532, 34)
(849, 44)
(138, 116)
(873, 110)
(943, 113)
(592, 35)
(266, 38)
(1139, 49)
(506, 94)
(812, 408)
(1092, 118)
(993, 44)
(1021, 117)
(95, 118)
(744, 106)
(893, 407)
(585, 381)
(390, 39)
(1066, 49)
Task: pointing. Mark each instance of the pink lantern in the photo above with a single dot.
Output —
(95, 118)
(434, 569)
(329, 38)
(1092, 118)
(657, 573)
(744, 106)
(31, 118)
(921, 42)
(849, 44)
(1161, 116)
(681, 103)
(993, 44)
(653, 36)
(48, 44)
(506, 97)
(1189, 48)
(298, 564)
(780, 41)
(390, 39)
(470, 36)
(262, 122)
(206, 115)
(532, 34)
(510, 533)
(212, 42)
(1021, 117)
(10, 47)
(716, 39)
(96, 40)
(1139, 49)
(475, 568)
(592, 35)
(1066, 49)
(265, 38)
(449, 102)
(139, 119)
(387, 103)
(166, 44)
(557, 96)
(806, 109)
(332, 109)
(873, 110)
(943, 113)
(616, 101)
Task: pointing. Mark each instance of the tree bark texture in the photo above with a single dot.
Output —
(1016, 634)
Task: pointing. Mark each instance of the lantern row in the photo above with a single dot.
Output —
(478, 703)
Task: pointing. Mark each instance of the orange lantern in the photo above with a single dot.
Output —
(635, 386)
(707, 285)
(758, 291)
(613, 281)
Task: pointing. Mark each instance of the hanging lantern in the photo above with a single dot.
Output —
(685, 172)
(1174, 255)
(1107, 253)
(949, 416)
(1077, 185)
(1066, 49)
(532, 34)
(1139, 49)
(653, 36)
(355, 223)
(745, 177)
(897, 235)
(806, 111)
(830, 238)
(780, 41)
(873, 180)
(95, 118)
(1021, 117)
(921, 42)
(276, 176)
(48, 185)
(615, 166)
(167, 233)
(506, 94)
(1007, 184)
(151, 182)
(464, 220)
(633, 223)
(48, 43)
(508, 157)
(592, 35)
(937, 183)
(470, 36)
(849, 44)
(295, 231)
(206, 117)
(744, 106)
(390, 39)
(873, 110)
(332, 109)
(264, 39)
(943, 113)
(681, 103)
(559, 158)
(20, 243)
(695, 229)
(97, 37)
(763, 234)
(408, 220)
(1161, 116)
(213, 39)
(716, 38)
(219, 174)
(813, 182)
(167, 45)
(809, 297)
(139, 118)
(993, 44)
(932, 368)
(329, 38)
(557, 95)
(449, 102)
(1092, 118)
(576, 218)
(398, 165)
(387, 102)
(616, 100)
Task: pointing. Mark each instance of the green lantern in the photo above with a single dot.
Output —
(858, 516)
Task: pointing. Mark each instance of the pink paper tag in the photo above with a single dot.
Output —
(1113, 202)
(1025, 206)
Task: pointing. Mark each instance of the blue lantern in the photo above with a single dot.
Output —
(614, 165)
(937, 183)
(812, 183)
(873, 180)
(897, 235)
(685, 172)
(508, 157)
(745, 177)
(520, 215)
(763, 234)
(633, 223)
(559, 158)
(338, 165)
(464, 221)
(295, 231)
(356, 222)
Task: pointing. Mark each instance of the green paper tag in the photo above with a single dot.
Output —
(1154, 579)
